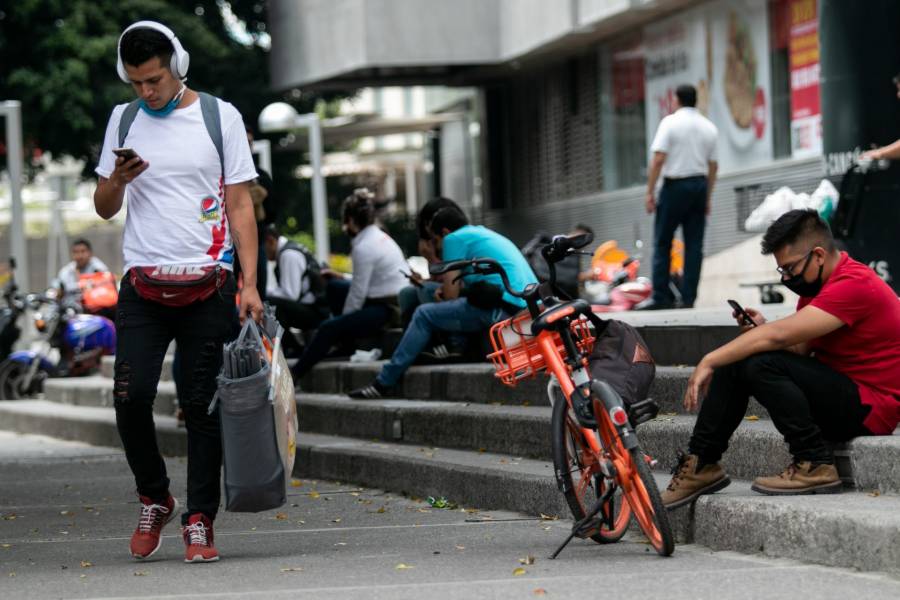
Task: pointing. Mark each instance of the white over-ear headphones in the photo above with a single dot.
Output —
(180, 57)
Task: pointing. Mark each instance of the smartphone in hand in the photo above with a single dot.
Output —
(746, 319)
(126, 153)
(413, 280)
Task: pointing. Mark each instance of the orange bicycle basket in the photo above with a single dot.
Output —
(517, 354)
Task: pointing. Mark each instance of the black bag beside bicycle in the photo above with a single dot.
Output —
(621, 358)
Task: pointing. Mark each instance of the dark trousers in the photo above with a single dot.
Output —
(291, 313)
(144, 330)
(809, 403)
(681, 202)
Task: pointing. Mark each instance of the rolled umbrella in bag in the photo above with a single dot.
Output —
(255, 478)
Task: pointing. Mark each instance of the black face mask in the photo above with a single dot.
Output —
(801, 287)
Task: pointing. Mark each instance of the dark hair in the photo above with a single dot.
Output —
(82, 242)
(427, 212)
(142, 44)
(450, 218)
(585, 228)
(686, 94)
(272, 231)
(795, 225)
(359, 207)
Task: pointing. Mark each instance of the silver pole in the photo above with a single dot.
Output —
(320, 208)
(13, 110)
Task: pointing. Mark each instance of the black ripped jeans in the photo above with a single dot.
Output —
(144, 331)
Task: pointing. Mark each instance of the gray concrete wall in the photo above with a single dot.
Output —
(528, 24)
(315, 39)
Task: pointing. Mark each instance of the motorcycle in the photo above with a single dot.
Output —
(79, 340)
(614, 284)
(9, 313)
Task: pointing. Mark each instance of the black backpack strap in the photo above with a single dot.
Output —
(209, 106)
(126, 120)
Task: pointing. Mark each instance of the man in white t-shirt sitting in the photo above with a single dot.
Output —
(189, 209)
(83, 262)
(684, 153)
(298, 292)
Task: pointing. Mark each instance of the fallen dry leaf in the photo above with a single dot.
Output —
(875, 494)
(751, 418)
(140, 573)
(341, 544)
(549, 517)
(296, 483)
(291, 569)
(403, 567)
(338, 520)
(281, 517)
(6, 546)
(85, 564)
(540, 592)
(82, 576)
(528, 560)
(460, 547)
(518, 571)
(67, 513)
(354, 494)
(381, 510)
(314, 494)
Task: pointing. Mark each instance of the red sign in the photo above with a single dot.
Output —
(803, 50)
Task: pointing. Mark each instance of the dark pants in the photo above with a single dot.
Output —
(144, 330)
(291, 313)
(681, 202)
(809, 403)
(368, 320)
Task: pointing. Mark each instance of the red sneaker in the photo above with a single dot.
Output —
(198, 540)
(146, 538)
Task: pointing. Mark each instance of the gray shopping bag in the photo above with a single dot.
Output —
(254, 472)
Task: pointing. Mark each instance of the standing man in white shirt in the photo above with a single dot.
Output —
(371, 302)
(186, 170)
(684, 153)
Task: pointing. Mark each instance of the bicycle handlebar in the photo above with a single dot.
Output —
(559, 248)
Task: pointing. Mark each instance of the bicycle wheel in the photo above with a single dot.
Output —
(646, 504)
(577, 470)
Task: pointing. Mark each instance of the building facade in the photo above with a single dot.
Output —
(570, 93)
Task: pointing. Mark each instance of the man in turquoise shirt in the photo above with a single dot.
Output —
(470, 305)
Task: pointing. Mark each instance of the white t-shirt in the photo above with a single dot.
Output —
(292, 283)
(689, 141)
(69, 274)
(176, 208)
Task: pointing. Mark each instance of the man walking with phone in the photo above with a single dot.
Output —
(189, 210)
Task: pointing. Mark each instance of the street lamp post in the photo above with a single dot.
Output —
(280, 116)
(12, 110)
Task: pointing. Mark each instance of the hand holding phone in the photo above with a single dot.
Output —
(739, 311)
(126, 153)
(413, 279)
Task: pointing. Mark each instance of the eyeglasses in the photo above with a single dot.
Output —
(788, 270)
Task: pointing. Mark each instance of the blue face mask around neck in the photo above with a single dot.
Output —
(165, 110)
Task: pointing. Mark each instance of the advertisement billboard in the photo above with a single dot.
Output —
(722, 49)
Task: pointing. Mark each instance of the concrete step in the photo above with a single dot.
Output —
(97, 391)
(109, 362)
(852, 530)
(475, 383)
(756, 448)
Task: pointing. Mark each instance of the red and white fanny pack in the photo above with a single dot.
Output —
(177, 285)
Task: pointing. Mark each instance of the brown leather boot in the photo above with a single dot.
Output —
(800, 478)
(688, 483)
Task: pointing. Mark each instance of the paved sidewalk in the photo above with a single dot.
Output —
(66, 516)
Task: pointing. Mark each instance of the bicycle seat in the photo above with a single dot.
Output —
(553, 319)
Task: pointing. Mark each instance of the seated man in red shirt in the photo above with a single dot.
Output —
(830, 371)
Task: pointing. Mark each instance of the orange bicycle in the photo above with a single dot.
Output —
(598, 462)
